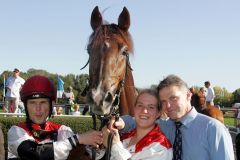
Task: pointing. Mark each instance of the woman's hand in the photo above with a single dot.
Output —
(106, 132)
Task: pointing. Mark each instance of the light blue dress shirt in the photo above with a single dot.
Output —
(203, 138)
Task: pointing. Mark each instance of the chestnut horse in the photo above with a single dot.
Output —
(214, 112)
(111, 81)
(110, 74)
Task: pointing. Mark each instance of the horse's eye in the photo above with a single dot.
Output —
(106, 45)
(125, 53)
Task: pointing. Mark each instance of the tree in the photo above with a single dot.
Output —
(223, 97)
(236, 96)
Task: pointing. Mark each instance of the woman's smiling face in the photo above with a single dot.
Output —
(146, 110)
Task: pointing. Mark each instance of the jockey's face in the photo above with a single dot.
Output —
(38, 110)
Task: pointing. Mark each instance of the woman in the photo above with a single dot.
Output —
(146, 141)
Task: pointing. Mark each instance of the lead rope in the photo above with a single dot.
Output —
(110, 139)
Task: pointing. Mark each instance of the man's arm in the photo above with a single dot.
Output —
(125, 123)
(220, 142)
(129, 123)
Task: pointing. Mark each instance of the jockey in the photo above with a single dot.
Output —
(37, 138)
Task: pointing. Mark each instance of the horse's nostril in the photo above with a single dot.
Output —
(108, 97)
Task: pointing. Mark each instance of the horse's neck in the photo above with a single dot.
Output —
(128, 95)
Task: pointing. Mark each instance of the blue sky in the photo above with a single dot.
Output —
(198, 40)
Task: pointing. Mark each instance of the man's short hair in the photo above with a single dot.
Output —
(16, 70)
(172, 80)
(207, 83)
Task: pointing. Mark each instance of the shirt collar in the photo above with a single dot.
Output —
(189, 117)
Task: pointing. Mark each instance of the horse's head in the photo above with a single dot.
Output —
(109, 47)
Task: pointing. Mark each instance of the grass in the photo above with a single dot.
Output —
(231, 121)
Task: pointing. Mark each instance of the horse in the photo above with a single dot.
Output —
(111, 85)
(214, 112)
(111, 81)
(198, 100)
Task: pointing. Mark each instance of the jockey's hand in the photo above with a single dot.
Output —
(92, 137)
(113, 124)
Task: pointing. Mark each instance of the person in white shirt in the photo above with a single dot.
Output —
(13, 86)
(210, 95)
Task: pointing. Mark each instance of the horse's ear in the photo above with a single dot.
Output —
(96, 18)
(124, 19)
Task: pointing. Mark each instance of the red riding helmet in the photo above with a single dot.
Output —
(38, 87)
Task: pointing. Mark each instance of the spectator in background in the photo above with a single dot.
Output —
(59, 111)
(13, 86)
(76, 111)
(68, 97)
(202, 98)
(210, 95)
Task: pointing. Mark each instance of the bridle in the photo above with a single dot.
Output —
(114, 111)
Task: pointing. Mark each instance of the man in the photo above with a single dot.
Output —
(68, 97)
(202, 137)
(210, 95)
(13, 86)
(37, 138)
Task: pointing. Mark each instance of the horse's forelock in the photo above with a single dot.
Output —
(106, 31)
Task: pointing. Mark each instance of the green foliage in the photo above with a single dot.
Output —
(230, 121)
(223, 97)
(78, 124)
(236, 95)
